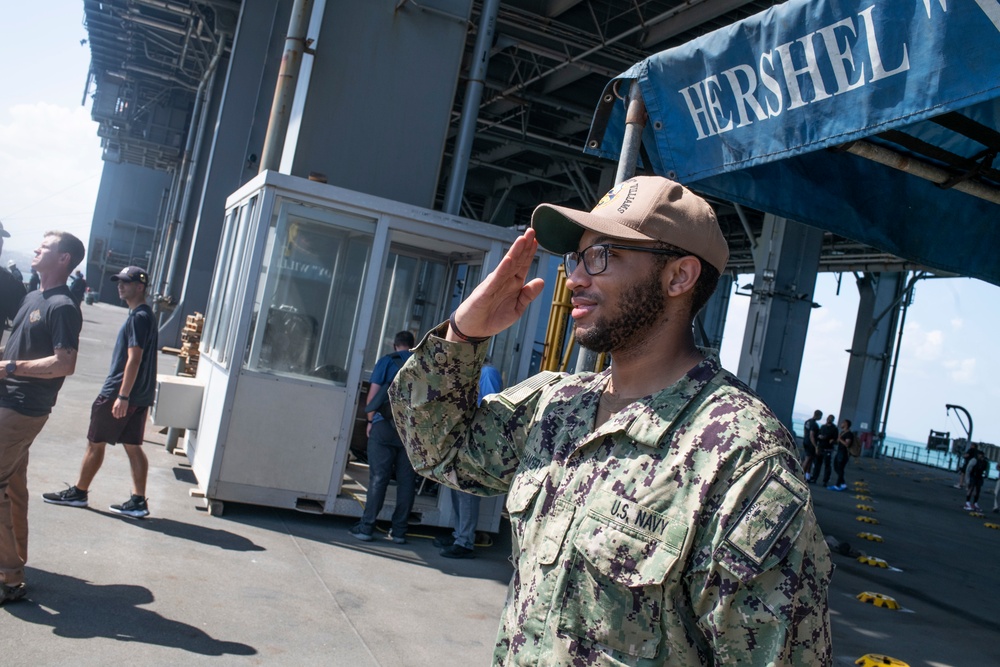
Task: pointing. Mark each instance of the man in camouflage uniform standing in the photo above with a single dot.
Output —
(658, 507)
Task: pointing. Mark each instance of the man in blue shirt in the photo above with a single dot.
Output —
(385, 449)
(119, 412)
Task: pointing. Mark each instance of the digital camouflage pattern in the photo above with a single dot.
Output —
(679, 532)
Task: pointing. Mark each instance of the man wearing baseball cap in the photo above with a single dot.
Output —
(659, 513)
(119, 412)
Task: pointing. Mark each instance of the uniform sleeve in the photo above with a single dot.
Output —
(65, 323)
(450, 439)
(760, 578)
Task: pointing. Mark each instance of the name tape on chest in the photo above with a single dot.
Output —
(640, 519)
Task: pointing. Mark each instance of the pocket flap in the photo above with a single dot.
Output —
(630, 560)
(522, 493)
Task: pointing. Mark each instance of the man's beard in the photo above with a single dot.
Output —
(642, 305)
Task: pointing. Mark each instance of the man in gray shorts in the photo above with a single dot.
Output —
(119, 413)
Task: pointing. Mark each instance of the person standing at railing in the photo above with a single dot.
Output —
(996, 492)
(978, 471)
(968, 458)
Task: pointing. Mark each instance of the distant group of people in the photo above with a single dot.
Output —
(828, 450)
(40, 352)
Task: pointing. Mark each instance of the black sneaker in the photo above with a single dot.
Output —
(357, 533)
(11, 593)
(444, 541)
(72, 496)
(458, 551)
(134, 507)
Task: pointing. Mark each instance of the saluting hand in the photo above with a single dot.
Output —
(503, 296)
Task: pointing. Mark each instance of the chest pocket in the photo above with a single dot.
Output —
(615, 588)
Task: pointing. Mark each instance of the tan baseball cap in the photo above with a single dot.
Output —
(643, 208)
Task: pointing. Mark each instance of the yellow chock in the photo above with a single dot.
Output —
(865, 508)
(994, 526)
(871, 560)
(868, 519)
(871, 537)
(977, 515)
(876, 659)
(862, 497)
(879, 600)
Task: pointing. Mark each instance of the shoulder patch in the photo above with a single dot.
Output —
(765, 519)
(521, 392)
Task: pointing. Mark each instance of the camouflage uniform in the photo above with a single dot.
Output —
(679, 532)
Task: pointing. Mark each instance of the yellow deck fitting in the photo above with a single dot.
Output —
(868, 519)
(862, 497)
(877, 660)
(994, 526)
(879, 600)
(865, 508)
(871, 537)
(871, 560)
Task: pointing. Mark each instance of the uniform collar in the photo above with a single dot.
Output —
(647, 420)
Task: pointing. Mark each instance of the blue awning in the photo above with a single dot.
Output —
(759, 113)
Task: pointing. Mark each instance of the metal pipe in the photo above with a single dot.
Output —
(470, 107)
(635, 123)
(195, 154)
(746, 225)
(895, 361)
(936, 175)
(284, 91)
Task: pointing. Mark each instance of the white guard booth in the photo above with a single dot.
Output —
(311, 284)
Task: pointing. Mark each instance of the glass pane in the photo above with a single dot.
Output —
(411, 298)
(309, 295)
(209, 340)
(237, 270)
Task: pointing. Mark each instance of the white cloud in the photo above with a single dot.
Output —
(51, 169)
(962, 371)
(957, 323)
(924, 345)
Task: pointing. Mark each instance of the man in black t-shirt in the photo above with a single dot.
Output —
(845, 443)
(40, 353)
(119, 413)
(825, 442)
(809, 443)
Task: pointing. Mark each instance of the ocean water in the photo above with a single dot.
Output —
(910, 450)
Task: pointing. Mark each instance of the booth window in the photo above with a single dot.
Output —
(305, 315)
(229, 284)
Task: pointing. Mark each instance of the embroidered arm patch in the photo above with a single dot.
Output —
(765, 519)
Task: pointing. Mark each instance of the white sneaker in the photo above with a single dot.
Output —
(968, 506)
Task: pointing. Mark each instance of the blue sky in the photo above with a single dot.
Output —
(50, 168)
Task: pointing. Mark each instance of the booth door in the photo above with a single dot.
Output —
(418, 290)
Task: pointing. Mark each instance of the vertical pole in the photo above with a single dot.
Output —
(635, 123)
(291, 61)
(470, 107)
(206, 93)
